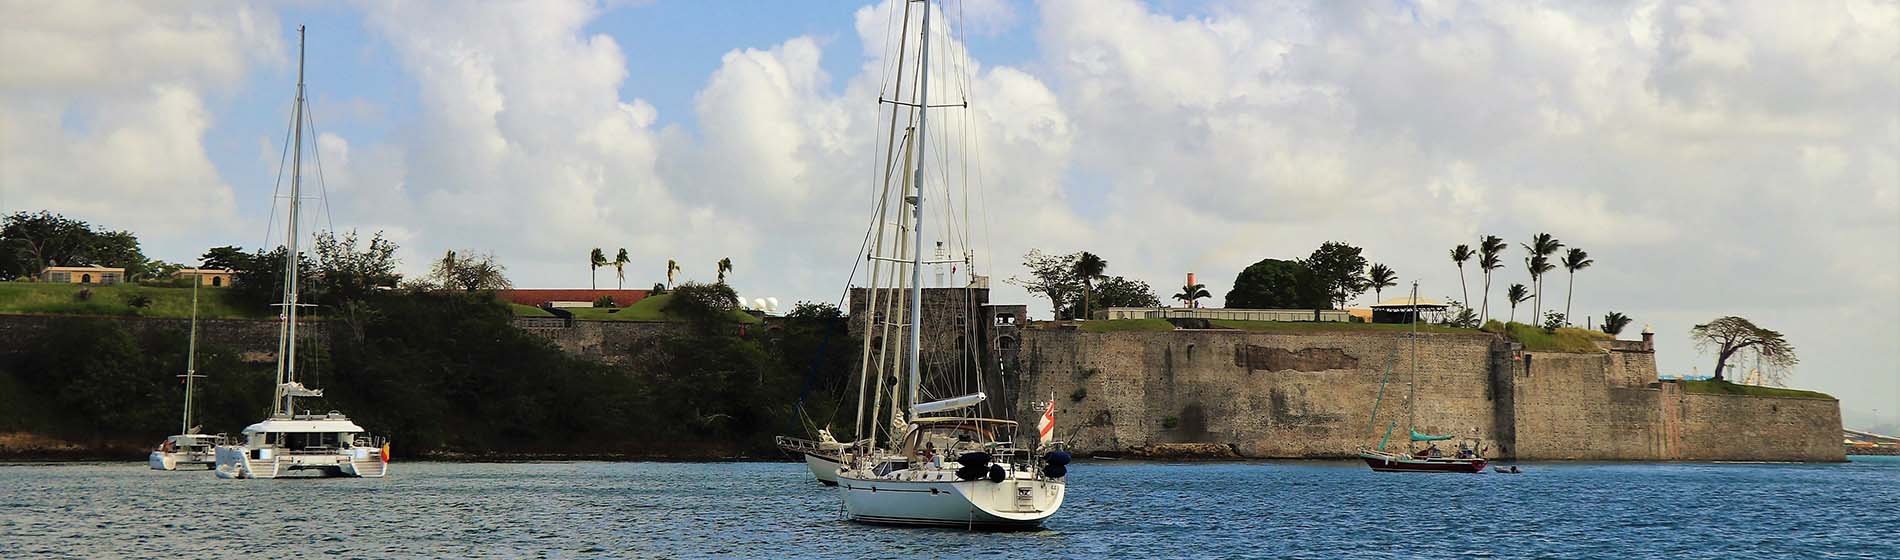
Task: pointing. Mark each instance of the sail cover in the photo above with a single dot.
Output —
(1425, 437)
(296, 389)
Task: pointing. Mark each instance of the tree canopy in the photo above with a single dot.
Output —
(1728, 336)
(1277, 284)
(1340, 269)
(469, 270)
(30, 242)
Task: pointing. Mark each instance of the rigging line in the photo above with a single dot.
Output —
(277, 186)
(316, 151)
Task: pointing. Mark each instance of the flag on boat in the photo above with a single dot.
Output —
(1046, 426)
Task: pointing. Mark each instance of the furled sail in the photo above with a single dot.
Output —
(1426, 437)
(296, 389)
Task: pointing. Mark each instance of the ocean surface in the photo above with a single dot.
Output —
(1115, 509)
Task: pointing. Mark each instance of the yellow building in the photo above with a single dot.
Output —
(210, 277)
(82, 275)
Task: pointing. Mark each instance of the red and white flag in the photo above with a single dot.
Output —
(1046, 427)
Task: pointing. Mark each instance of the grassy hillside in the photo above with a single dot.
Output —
(1124, 325)
(116, 300)
(1712, 387)
(651, 309)
(1536, 339)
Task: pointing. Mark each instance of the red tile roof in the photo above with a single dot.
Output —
(622, 298)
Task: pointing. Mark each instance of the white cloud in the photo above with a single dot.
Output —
(103, 116)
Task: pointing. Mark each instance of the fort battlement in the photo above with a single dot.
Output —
(1311, 394)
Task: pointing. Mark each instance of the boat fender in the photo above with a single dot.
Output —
(973, 464)
(996, 473)
(1055, 464)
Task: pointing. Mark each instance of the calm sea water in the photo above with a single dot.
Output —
(1115, 509)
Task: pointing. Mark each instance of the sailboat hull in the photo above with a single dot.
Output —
(825, 469)
(936, 498)
(163, 461)
(1391, 462)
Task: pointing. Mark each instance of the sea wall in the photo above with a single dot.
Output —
(1311, 395)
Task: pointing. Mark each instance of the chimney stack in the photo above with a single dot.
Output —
(1649, 338)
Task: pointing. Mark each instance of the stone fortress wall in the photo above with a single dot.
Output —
(1310, 395)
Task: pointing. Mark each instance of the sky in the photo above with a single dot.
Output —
(1714, 158)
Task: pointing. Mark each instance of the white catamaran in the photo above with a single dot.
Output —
(188, 447)
(948, 464)
(328, 444)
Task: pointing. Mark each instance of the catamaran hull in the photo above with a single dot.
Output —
(825, 469)
(1013, 504)
(162, 461)
(240, 462)
(1381, 463)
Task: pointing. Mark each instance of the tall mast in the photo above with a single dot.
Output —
(287, 334)
(917, 213)
(1411, 384)
(191, 351)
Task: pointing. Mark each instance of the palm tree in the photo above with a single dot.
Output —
(1574, 261)
(1381, 276)
(1542, 246)
(672, 268)
(1614, 322)
(1459, 255)
(1537, 265)
(1088, 267)
(620, 268)
(595, 260)
(725, 266)
(1516, 294)
(1490, 257)
(1192, 292)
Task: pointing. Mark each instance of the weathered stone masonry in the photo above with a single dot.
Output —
(1310, 395)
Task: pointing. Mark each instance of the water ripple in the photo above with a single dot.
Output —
(1304, 510)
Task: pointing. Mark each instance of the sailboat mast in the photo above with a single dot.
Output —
(1411, 384)
(917, 213)
(191, 351)
(287, 335)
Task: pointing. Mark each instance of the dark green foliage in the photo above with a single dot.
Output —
(604, 301)
(1116, 291)
(815, 310)
(1614, 323)
(1340, 269)
(703, 304)
(1277, 284)
(139, 301)
(32, 241)
(1078, 394)
(228, 257)
(260, 278)
(91, 379)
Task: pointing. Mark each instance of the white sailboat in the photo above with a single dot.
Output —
(328, 444)
(188, 447)
(949, 465)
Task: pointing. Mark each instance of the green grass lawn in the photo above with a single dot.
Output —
(651, 309)
(1309, 326)
(1712, 387)
(1126, 325)
(42, 298)
(1565, 339)
(528, 310)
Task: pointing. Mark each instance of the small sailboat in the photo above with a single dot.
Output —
(1467, 458)
(188, 447)
(326, 443)
(946, 462)
(823, 455)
